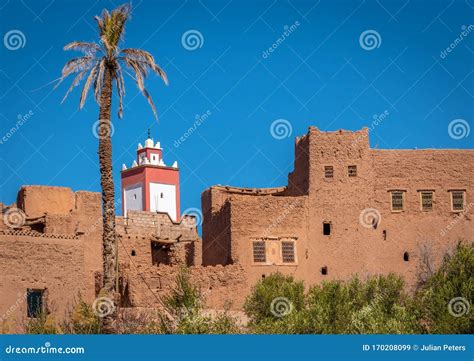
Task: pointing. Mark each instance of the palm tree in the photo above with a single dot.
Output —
(103, 66)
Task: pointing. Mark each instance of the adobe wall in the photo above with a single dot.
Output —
(38, 262)
(216, 208)
(221, 286)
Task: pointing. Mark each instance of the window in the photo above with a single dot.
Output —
(352, 171)
(326, 228)
(133, 253)
(259, 255)
(288, 252)
(397, 201)
(406, 257)
(161, 195)
(328, 171)
(324, 270)
(34, 299)
(426, 200)
(160, 253)
(457, 200)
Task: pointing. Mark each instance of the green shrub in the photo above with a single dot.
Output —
(378, 305)
(82, 319)
(272, 300)
(446, 299)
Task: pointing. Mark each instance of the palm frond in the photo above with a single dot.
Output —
(75, 83)
(150, 101)
(140, 72)
(111, 27)
(146, 59)
(75, 65)
(99, 81)
(87, 85)
(85, 47)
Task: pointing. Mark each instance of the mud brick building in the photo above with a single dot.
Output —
(347, 209)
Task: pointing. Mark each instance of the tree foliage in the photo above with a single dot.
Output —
(446, 299)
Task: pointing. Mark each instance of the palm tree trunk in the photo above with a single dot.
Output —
(109, 239)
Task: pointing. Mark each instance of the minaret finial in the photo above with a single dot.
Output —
(149, 136)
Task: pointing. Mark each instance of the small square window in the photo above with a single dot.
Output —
(352, 171)
(288, 252)
(326, 228)
(328, 171)
(324, 270)
(426, 201)
(34, 300)
(259, 252)
(397, 201)
(457, 200)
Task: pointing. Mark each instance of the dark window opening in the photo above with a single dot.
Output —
(384, 235)
(326, 228)
(263, 277)
(160, 254)
(133, 252)
(457, 200)
(352, 171)
(38, 227)
(161, 195)
(406, 257)
(259, 252)
(397, 201)
(328, 171)
(288, 252)
(324, 270)
(34, 299)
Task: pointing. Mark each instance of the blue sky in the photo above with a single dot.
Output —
(319, 75)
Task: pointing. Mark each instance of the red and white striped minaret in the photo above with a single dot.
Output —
(151, 185)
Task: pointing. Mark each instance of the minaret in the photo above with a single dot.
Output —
(151, 185)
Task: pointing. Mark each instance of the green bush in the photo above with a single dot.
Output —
(82, 319)
(378, 305)
(446, 299)
(274, 298)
